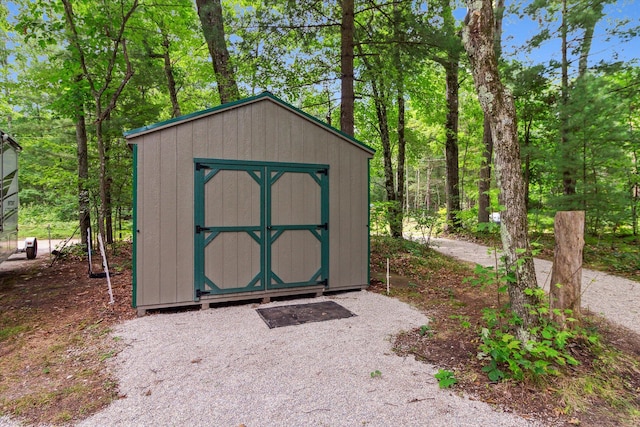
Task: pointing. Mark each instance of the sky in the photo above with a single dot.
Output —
(517, 31)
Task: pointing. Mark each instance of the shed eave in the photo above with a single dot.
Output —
(5, 137)
(131, 134)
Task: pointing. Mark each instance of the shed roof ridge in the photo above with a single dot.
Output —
(240, 102)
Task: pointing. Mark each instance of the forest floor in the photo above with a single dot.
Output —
(604, 390)
(55, 325)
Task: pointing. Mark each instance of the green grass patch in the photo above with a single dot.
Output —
(12, 331)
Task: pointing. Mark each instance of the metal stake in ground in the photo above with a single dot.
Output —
(106, 267)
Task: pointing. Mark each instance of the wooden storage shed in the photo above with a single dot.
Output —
(251, 199)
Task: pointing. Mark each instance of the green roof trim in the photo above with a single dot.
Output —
(244, 101)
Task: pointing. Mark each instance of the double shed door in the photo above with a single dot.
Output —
(260, 226)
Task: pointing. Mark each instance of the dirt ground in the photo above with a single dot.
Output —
(55, 322)
(54, 327)
(451, 343)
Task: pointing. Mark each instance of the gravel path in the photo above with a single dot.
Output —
(615, 298)
(224, 367)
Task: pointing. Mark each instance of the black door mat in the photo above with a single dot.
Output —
(297, 314)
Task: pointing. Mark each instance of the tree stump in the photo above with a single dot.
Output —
(566, 274)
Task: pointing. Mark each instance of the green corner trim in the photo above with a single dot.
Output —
(135, 229)
(368, 222)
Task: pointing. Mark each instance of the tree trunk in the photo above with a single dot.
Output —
(210, 13)
(566, 274)
(108, 205)
(102, 112)
(484, 180)
(347, 98)
(451, 145)
(171, 81)
(527, 161)
(567, 155)
(395, 208)
(103, 180)
(401, 192)
(84, 215)
(498, 105)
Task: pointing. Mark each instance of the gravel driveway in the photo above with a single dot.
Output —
(225, 367)
(613, 297)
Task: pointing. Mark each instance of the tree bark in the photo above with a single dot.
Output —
(401, 192)
(84, 216)
(451, 144)
(566, 274)
(210, 13)
(498, 105)
(347, 98)
(395, 207)
(168, 71)
(484, 180)
(567, 154)
(527, 161)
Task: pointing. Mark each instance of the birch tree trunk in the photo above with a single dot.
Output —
(497, 103)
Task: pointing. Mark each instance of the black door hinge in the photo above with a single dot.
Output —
(323, 172)
(324, 226)
(324, 283)
(200, 166)
(199, 293)
(201, 229)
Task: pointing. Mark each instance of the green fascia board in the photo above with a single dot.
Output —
(230, 105)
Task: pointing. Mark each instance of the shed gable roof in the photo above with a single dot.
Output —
(5, 137)
(236, 104)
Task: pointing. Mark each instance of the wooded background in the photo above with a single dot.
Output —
(75, 74)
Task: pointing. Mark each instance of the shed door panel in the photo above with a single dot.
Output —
(259, 226)
(297, 226)
(229, 229)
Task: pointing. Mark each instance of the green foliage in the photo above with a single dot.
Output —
(424, 221)
(425, 330)
(380, 215)
(509, 357)
(376, 374)
(40, 221)
(542, 352)
(445, 378)
(464, 320)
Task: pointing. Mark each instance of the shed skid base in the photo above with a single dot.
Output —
(263, 296)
